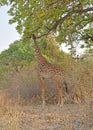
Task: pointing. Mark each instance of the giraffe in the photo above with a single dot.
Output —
(48, 70)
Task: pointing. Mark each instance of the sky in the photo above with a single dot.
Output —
(8, 33)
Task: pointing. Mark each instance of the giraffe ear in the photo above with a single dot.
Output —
(33, 37)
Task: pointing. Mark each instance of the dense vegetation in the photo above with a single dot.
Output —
(71, 21)
(18, 71)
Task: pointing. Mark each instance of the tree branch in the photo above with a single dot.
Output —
(62, 19)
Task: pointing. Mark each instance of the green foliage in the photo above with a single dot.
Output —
(3, 2)
(18, 51)
(69, 18)
(54, 53)
(88, 36)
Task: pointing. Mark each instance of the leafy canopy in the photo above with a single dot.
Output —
(72, 20)
(17, 55)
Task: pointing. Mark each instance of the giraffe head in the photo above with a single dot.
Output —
(33, 37)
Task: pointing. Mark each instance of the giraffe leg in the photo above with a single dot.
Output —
(42, 90)
(61, 95)
(60, 92)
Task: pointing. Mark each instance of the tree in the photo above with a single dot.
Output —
(18, 54)
(71, 19)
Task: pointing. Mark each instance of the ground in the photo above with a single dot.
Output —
(50, 117)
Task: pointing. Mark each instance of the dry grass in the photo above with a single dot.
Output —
(21, 114)
(50, 117)
(9, 118)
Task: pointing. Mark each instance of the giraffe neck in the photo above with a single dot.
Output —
(40, 58)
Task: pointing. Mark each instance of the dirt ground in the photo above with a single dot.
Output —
(50, 117)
